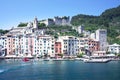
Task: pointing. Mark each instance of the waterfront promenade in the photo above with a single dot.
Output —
(97, 60)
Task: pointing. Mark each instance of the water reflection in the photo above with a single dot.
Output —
(58, 70)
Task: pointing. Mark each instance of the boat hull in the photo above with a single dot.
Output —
(96, 61)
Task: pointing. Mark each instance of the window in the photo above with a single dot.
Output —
(52, 51)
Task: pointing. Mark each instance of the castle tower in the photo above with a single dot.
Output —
(35, 23)
(65, 20)
(58, 20)
(101, 36)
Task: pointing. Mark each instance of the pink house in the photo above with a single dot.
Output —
(58, 47)
(10, 45)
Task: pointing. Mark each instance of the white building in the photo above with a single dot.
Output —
(18, 30)
(101, 36)
(2, 50)
(3, 45)
(80, 29)
(69, 45)
(114, 48)
(99, 53)
(83, 44)
(39, 32)
(22, 44)
(29, 29)
(43, 45)
(92, 36)
(3, 41)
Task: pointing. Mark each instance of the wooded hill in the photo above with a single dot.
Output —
(109, 19)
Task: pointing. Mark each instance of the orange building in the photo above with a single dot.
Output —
(93, 45)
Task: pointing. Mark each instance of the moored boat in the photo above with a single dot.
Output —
(96, 60)
(25, 59)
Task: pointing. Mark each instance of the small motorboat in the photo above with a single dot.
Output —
(25, 59)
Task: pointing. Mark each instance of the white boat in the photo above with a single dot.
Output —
(78, 59)
(96, 60)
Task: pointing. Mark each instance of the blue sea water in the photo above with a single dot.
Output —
(59, 70)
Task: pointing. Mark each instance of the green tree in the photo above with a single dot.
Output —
(56, 36)
(41, 25)
(60, 55)
(80, 55)
(118, 55)
(3, 31)
(22, 24)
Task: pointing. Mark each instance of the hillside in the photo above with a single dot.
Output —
(60, 30)
(109, 19)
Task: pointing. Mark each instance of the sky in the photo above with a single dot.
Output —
(12, 12)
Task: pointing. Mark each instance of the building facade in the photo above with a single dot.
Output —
(93, 45)
(69, 45)
(101, 36)
(114, 48)
(58, 47)
(43, 45)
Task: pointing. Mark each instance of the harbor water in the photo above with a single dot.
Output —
(58, 70)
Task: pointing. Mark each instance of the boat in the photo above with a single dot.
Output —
(96, 60)
(78, 58)
(26, 59)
